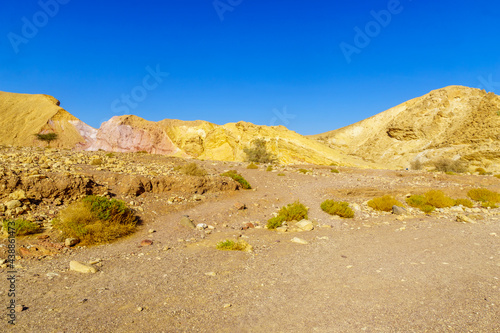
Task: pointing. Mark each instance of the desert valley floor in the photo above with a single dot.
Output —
(376, 272)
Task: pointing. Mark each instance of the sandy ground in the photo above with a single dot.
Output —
(374, 273)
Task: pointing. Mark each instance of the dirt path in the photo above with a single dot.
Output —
(374, 273)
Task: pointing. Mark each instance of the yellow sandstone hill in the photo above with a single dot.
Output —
(453, 122)
(22, 116)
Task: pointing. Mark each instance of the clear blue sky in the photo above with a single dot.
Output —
(246, 58)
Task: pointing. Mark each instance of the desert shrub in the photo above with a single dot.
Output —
(96, 220)
(252, 166)
(304, 171)
(290, 212)
(239, 178)
(334, 171)
(96, 161)
(488, 204)
(384, 203)
(21, 227)
(48, 137)
(416, 165)
(464, 202)
(281, 174)
(110, 155)
(484, 195)
(497, 176)
(269, 168)
(229, 245)
(447, 165)
(438, 199)
(416, 201)
(427, 208)
(259, 153)
(192, 169)
(451, 173)
(142, 152)
(341, 209)
(480, 170)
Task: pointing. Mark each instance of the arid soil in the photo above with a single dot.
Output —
(377, 272)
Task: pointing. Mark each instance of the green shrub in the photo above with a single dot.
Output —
(281, 174)
(110, 155)
(229, 245)
(290, 212)
(252, 166)
(447, 165)
(341, 209)
(269, 168)
(488, 204)
(497, 176)
(239, 178)
(480, 170)
(484, 195)
(427, 209)
(416, 201)
(384, 203)
(258, 153)
(21, 227)
(451, 173)
(464, 202)
(192, 169)
(334, 171)
(304, 171)
(48, 137)
(96, 220)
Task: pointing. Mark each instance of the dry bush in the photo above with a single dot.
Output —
(21, 227)
(464, 202)
(191, 169)
(483, 195)
(229, 245)
(416, 165)
(96, 161)
(239, 178)
(96, 220)
(269, 168)
(384, 203)
(334, 171)
(252, 166)
(438, 199)
(258, 153)
(450, 165)
(304, 171)
(290, 212)
(341, 209)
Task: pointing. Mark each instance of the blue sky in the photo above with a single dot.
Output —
(312, 66)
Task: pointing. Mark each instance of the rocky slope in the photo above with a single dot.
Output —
(453, 122)
(23, 115)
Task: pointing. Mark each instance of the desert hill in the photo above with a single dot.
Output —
(205, 140)
(453, 122)
(24, 115)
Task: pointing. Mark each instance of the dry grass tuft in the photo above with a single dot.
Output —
(21, 227)
(290, 212)
(449, 165)
(191, 169)
(484, 195)
(384, 203)
(341, 209)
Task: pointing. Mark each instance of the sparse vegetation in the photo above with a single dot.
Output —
(484, 195)
(239, 178)
(258, 153)
(269, 168)
(21, 227)
(252, 166)
(464, 202)
(47, 137)
(438, 199)
(290, 212)
(334, 171)
(384, 203)
(96, 220)
(497, 176)
(435, 199)
(229, 245)
(281, 174)
(110, 155)
(341, 209)
(427, 209)
(450, 165)
(416, 165)
(191, 169)
(96, 161)
(489, 204)
(304, 171)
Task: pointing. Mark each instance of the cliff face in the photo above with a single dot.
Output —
(453, 122)
(23, 115)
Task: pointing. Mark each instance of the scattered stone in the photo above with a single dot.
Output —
(81, 268)
(19, 308)
(227, 306)
(13, 204)
(2, 261)
(201, 226)
(146, 242)
(93, 262)
(211, 274)
(305, 225)
(18, 195)
(247, 226)
(465, 219)
(166, 248)
(140, 309)
(299, 240)
(396, 210)
(151, 231)
(282, 229)
(197, 197)
(240, 206)
(186, 221)
(24, 251)
(71, 241)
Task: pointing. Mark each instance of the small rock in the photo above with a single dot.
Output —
(13, 204)
(2, 261)
(396, 210)
(227, 306)
(146, 242)
(299, 240)
(240, 206)
(201, 226)
(282, 229)
(198, 197)
(140, 309)
(71, 241)
(305, 225)
(81, 268)
(186, 221)
(96, 261)
(211, 274)
(18, 195)
(151, 231)
(464, 218)
(166, 248)
(19, 308)
(247, 226)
